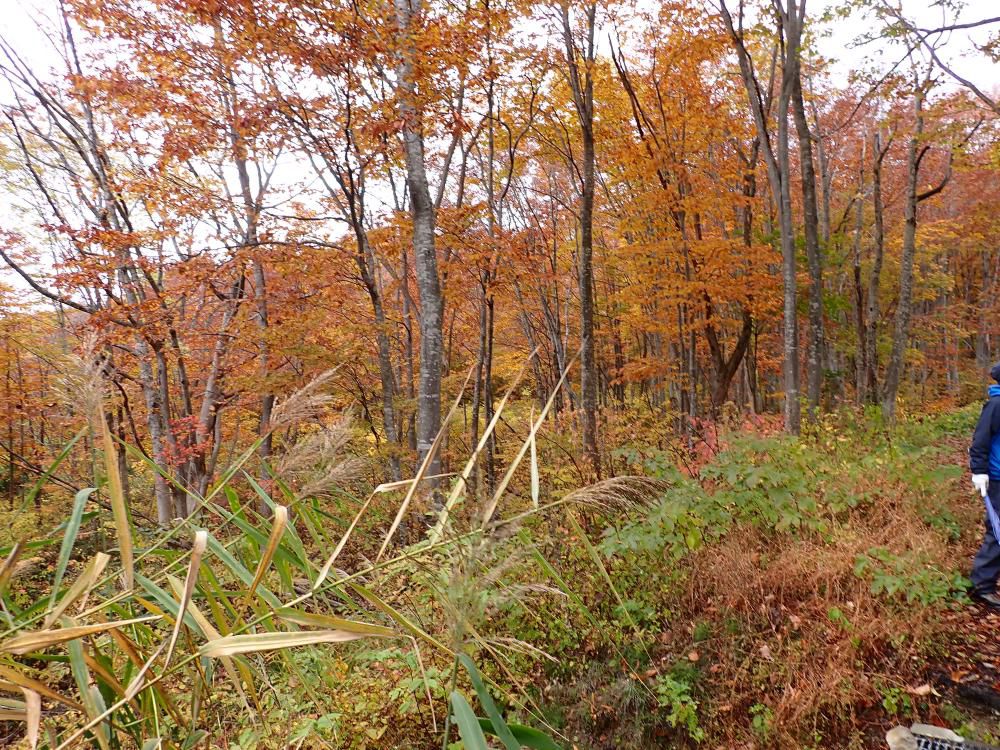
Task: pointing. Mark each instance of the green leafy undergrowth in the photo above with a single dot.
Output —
(849, 510)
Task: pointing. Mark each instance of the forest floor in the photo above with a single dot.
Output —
(966, 677)
(956, 679)
(827, 606)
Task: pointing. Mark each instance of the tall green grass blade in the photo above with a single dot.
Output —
(525, 736)
(291, 538)
(500, 728)
(468, 725)
(164, 600)
(69, 539)
(81, 675)
(239, 570)
(599, 564)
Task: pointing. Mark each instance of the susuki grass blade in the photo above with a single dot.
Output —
(44, 478)
(468, 725)
(525, 736)
(535, 483)
(81, 674)
(314, 619)
(99, 712)
(40, 639)
(401, 483)
(12, 675)
(33, 711)
(328, 565)
(239, 570)
(397, 616)
(211, 633)
(80, 587)
(197, 550)
(116, 496)
(500, 727)
(7, 570)
(536, 425)
(423, 468)
(459, 489)
(250, 643)
(277, 529)
(69, 539)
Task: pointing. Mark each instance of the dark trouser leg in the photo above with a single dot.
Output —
(986, 566)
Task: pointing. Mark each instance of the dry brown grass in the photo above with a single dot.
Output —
(818, 672)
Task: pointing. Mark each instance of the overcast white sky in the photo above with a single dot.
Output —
(837, 44)
(18, 25)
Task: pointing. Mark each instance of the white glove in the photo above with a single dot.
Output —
(981, 482)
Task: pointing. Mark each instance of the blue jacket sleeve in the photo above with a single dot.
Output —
(982, 438)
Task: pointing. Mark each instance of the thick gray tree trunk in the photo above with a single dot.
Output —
(424, 252)
(904, 309)
(814, 253)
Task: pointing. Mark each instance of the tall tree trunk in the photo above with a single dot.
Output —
(267, 398)
(904, 309)
(861, 358)
(790, 327)
(367, 268)
(985, 302)
(875, 278)
(424, 252)
(477, 386)
(582, 85)
(814, 257)
(10, 426)
(409, 375)
(250, 218)
(588, 363)
(726, 367)
(164, 504)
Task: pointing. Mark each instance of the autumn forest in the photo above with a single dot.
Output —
(410, 373)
